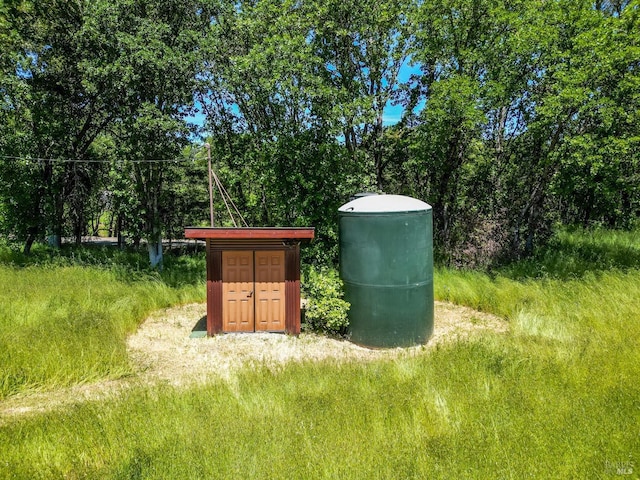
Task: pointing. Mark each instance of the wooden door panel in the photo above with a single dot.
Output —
(237, 291)
(269, 285)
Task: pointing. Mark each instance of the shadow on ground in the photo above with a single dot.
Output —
(200, 328)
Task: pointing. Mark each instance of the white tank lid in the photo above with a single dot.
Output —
(384, 203)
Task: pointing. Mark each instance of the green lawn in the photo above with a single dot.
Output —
(556, 397)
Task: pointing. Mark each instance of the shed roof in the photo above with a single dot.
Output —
(270, 233)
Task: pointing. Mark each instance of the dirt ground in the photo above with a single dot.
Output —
(164, 351)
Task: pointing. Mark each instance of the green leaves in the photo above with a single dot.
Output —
(325, 311)
(92, 70)
(517, 114)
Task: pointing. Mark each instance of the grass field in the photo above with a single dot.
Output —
(558, 396)
(64, 318)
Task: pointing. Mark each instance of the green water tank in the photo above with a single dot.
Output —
(386, 264)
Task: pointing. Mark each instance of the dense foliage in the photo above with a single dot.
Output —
(516, 115)
(325, 310)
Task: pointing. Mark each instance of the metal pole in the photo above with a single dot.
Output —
(208, 147)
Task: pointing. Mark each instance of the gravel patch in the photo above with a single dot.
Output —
(163, 351)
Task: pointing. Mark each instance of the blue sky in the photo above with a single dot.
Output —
(392, 113)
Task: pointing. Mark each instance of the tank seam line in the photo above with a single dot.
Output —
(387, 286)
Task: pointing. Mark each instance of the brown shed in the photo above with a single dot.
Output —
(253, 278)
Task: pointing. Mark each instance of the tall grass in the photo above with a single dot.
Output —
(480, 409)
(572, 253)
(62, 323)
(556, 397)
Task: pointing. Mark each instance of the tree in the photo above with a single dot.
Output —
(58, 108)
(361, 47)
(523, 113)
(461, 47)
(518, 98)
(125, 69)
(598, 177)
(159, 55)
(286, 80)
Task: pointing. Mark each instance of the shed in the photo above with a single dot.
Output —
(253, 278)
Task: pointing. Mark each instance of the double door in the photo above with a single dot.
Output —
(253, 291)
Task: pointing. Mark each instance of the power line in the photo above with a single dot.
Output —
(93, 160)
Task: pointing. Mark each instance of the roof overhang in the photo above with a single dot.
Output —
(279, 233)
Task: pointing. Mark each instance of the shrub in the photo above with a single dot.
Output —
(326, 310)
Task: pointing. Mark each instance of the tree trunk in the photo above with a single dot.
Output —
(119, 232)
(78, 229)
(154, 230)
(111, 232)
(378, 153)
(29, 243)
(55, 241)
(155, 253)
(587, 207)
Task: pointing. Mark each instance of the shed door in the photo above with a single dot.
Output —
(253, 291)
(237, 292)
(269, 278)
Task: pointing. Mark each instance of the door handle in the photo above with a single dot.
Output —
(250, 294)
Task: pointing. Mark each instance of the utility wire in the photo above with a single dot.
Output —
(224, 199)
(93, 160)
(225, 196)
(225, 193)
